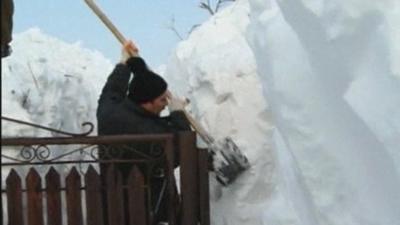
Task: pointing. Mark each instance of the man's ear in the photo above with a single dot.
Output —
(148, 104)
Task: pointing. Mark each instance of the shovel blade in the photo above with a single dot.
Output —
(229, 161)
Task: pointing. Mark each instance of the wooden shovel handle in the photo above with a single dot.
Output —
(92, 5)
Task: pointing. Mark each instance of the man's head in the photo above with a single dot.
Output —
(156, 105)
(147, 88)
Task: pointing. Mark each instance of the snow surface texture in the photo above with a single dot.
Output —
(330, 73)
(330, 77)
(215, 68)
(309, 90)
(50, 82)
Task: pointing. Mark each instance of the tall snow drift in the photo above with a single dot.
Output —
(330, 77)
(50, 82)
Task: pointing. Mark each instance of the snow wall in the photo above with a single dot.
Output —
(323, 133)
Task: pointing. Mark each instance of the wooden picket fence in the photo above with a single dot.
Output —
(86, 197)
(73, 195)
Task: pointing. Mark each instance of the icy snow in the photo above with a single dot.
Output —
(308, 89)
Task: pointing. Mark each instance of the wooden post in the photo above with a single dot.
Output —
(74, 197)
(204, 192)
(172, 195)
(94, 203)
(53, 197)
(189, 178)
(14, 198)
(34, 193)
(115, 200)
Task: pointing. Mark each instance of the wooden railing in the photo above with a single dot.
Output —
(57, 181)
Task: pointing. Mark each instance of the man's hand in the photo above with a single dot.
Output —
(128, 50)
(175, 103)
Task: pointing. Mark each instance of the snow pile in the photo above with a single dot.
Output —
(215, 68)
(330, 76)
(330, 71)
(52, 83)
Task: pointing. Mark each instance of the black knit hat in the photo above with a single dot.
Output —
(145, 85)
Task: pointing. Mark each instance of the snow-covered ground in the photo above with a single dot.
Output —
(308, 89)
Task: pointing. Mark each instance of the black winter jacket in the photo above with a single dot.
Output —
(117, 114)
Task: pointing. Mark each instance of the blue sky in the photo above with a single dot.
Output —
(143, 21)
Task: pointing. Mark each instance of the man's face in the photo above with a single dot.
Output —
(158, 104)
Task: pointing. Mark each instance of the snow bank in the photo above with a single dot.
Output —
(330, 76)
(330, 72)
(215, 68)
(50, 82)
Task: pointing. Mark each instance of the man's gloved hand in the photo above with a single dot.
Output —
(128, 50)
(175, 103)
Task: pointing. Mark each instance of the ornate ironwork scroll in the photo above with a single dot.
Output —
(85, 124)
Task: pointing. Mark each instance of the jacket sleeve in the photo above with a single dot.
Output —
(116, 86)
(179, 121)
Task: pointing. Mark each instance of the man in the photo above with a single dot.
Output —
(7, 11)
(134, 108)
